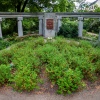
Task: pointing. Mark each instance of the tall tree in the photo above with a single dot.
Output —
(20, 5)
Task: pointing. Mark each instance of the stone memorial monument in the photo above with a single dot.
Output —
(49, 25)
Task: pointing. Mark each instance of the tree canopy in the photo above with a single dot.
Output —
(64, 6)
(36, 5)
(20, 5)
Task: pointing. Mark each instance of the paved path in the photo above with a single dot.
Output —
(9, 94)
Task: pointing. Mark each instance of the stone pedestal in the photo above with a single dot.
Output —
(20, 28)
(49, 25)
(80, 26)
(0, 28)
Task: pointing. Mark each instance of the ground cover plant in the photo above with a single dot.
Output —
(67, 63)
(4, 44)
(9, 40)
(4, 74)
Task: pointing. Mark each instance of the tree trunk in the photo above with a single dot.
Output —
(24, 5)
(19, 6)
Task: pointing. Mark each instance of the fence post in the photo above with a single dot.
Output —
(99, 31)
(80, 26)
(40, 25)
(0, 28)
(59, 23)
(20, 28)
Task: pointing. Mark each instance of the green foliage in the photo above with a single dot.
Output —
(4, 74)
(45, 53)
(26, 65)
(69, 30)
(69, 81)
(81, 63)
(5, 57)
(97, 8)
(63, 6)
(97, 44)
(67, 63)
(36, 6)
(96, 60)
(25, 79)
(4, 44)
(30, 24)
(92, 25)
(20, 5)
(84, 32)
(9, 26)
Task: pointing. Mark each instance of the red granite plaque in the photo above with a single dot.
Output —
(49, 24)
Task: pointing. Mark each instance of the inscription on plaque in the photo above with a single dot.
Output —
(49, 24)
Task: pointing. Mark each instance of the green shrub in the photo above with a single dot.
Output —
(96, 60)
(9, 26)
(30, 24)
(69, 29)
(70, 81)
(45, 53)
(87, 70)
(67, 63)
(84, 32)
(97, 44)
(4, 44)
(92, 25)
(25, 79)
(4, 74)
(5, 57)
(56, 66)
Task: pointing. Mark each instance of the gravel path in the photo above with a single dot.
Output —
(88, 94)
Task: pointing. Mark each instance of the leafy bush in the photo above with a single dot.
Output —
(67, 63)
(70, 81)
(9, 26)
(92, 25)
(4, 44)
(88, 70)
(25, 79)
(4, 74)
(5, 57)
(26, 65)
(46, 53)
(84, 32)
(96, 60)
(30, 24)
(69, 29)
(97, 44)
